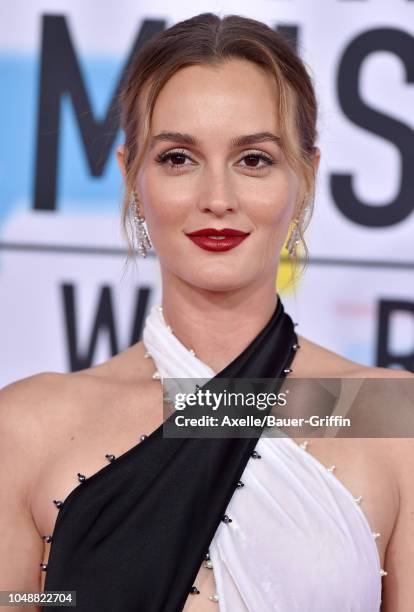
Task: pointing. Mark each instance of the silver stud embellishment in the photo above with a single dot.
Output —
(304, 445)
(240, 484)
(383, 572)
(194, 590)
(47, 539)
(58, 503)
(376, 534)
(358, 499)
(43, 567)
(110, 457)
(156, 375)
(192, 352)
(81, 477)
(208, 564)
(287, 370)
(256, 455)
(142, 437)
(296, 346)
(159, 308)
(331, 469)
(226, 519)
(214, 597)
(147, 355)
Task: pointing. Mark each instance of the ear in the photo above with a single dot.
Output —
(316, 158)
(120, 156)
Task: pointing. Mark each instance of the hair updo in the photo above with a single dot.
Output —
(207, 39)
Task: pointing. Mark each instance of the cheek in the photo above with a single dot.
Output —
(165, 204)
(272, 208)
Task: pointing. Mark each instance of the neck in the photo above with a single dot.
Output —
(217, 325)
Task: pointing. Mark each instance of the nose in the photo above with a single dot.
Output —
(218, 194)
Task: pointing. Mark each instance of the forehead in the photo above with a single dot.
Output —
(235, 96)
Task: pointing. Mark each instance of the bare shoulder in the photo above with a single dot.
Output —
(21, 390)
(52, 401)
(361, 371)
(26, 408)
(21, 404)
(315, 360)
(24, 402)
(40, 405)
(45, 402)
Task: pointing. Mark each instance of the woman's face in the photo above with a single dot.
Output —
(196, 176)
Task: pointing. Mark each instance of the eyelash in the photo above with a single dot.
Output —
(163, 158)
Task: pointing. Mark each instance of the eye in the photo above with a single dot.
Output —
(253, 158)
(174, 159)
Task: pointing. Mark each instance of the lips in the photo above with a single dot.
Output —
(211, 231)
(217, 240)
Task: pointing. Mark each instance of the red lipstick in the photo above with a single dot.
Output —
(217, 240)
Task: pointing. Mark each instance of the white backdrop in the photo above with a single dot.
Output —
(64, 301)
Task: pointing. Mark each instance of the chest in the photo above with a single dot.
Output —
(359, 468)
(89, 437)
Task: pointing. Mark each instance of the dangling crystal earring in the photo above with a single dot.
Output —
(294, 237)
(140, 233)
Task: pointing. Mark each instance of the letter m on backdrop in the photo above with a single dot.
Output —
(60, 75)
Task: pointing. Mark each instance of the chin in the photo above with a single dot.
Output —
(214, 275)
(217, 282)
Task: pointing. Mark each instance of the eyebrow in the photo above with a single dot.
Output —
(239, 141)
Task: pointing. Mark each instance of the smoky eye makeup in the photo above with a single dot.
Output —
(176, 158)
(174, 154)
(259, 155)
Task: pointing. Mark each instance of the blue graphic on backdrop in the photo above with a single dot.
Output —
(77, 190)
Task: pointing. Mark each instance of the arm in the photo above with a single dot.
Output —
(21, 545)
(398, 585)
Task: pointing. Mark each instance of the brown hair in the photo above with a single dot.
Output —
(210, 40)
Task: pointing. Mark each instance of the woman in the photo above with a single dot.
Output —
(220, 127)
